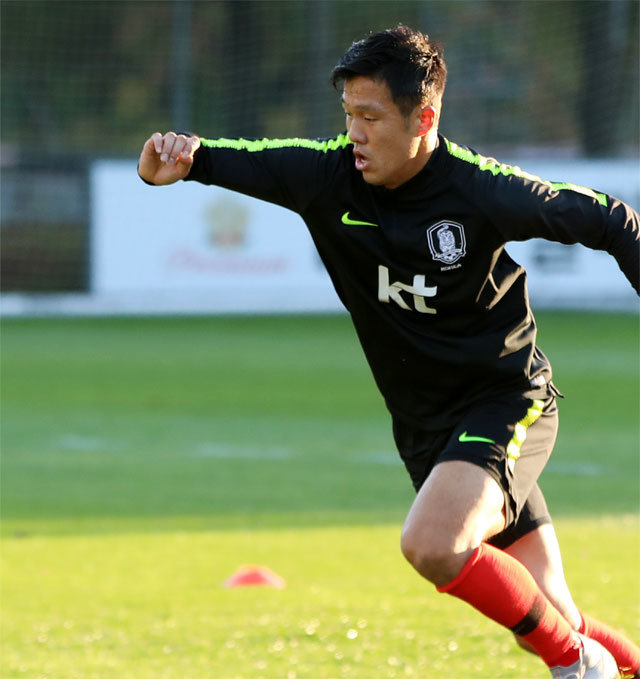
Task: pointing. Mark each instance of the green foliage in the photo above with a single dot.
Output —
(98, 77)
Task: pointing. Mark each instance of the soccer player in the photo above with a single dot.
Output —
(412, 229)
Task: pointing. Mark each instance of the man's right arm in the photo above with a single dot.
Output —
(288, 172)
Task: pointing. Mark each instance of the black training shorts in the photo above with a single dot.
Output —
(510, 436)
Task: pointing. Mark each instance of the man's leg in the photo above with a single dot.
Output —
(459, 506)
(472, 481)
(626, 653)
(539, 552)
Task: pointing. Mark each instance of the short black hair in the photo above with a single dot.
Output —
(411, 65)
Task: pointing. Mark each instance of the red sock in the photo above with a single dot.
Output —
(501, 588)
(626, 653)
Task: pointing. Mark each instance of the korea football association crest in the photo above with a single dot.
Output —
(447, 242)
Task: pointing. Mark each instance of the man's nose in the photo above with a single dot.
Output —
(356, 133)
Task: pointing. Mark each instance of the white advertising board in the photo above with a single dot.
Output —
(195, 248)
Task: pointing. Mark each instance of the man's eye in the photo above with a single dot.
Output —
(369, 119)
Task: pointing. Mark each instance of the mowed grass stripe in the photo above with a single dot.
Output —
(106, 419)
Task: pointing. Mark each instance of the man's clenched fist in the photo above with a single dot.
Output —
(167, 158)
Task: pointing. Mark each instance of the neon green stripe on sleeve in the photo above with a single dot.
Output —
(493, 166)
(253, 146)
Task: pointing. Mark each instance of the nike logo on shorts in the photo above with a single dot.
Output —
(465, 438)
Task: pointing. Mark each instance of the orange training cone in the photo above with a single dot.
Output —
(255, 576)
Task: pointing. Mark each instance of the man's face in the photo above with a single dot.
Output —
(386, 145)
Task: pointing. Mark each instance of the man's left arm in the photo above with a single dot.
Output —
(569, 214)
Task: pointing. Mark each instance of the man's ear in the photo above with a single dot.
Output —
(427, 120)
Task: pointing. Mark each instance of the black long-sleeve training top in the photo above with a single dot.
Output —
(441, 310)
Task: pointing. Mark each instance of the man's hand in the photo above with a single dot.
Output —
(165, 159)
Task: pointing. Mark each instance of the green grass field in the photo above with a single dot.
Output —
(145, 460)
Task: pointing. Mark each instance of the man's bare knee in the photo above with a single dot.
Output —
(442, 529)
(424, 555)
(434, 555)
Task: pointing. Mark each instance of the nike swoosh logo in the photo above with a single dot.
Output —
(464, 438)
(354, 222)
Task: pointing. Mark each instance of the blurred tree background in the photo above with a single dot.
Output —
(86, 79)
